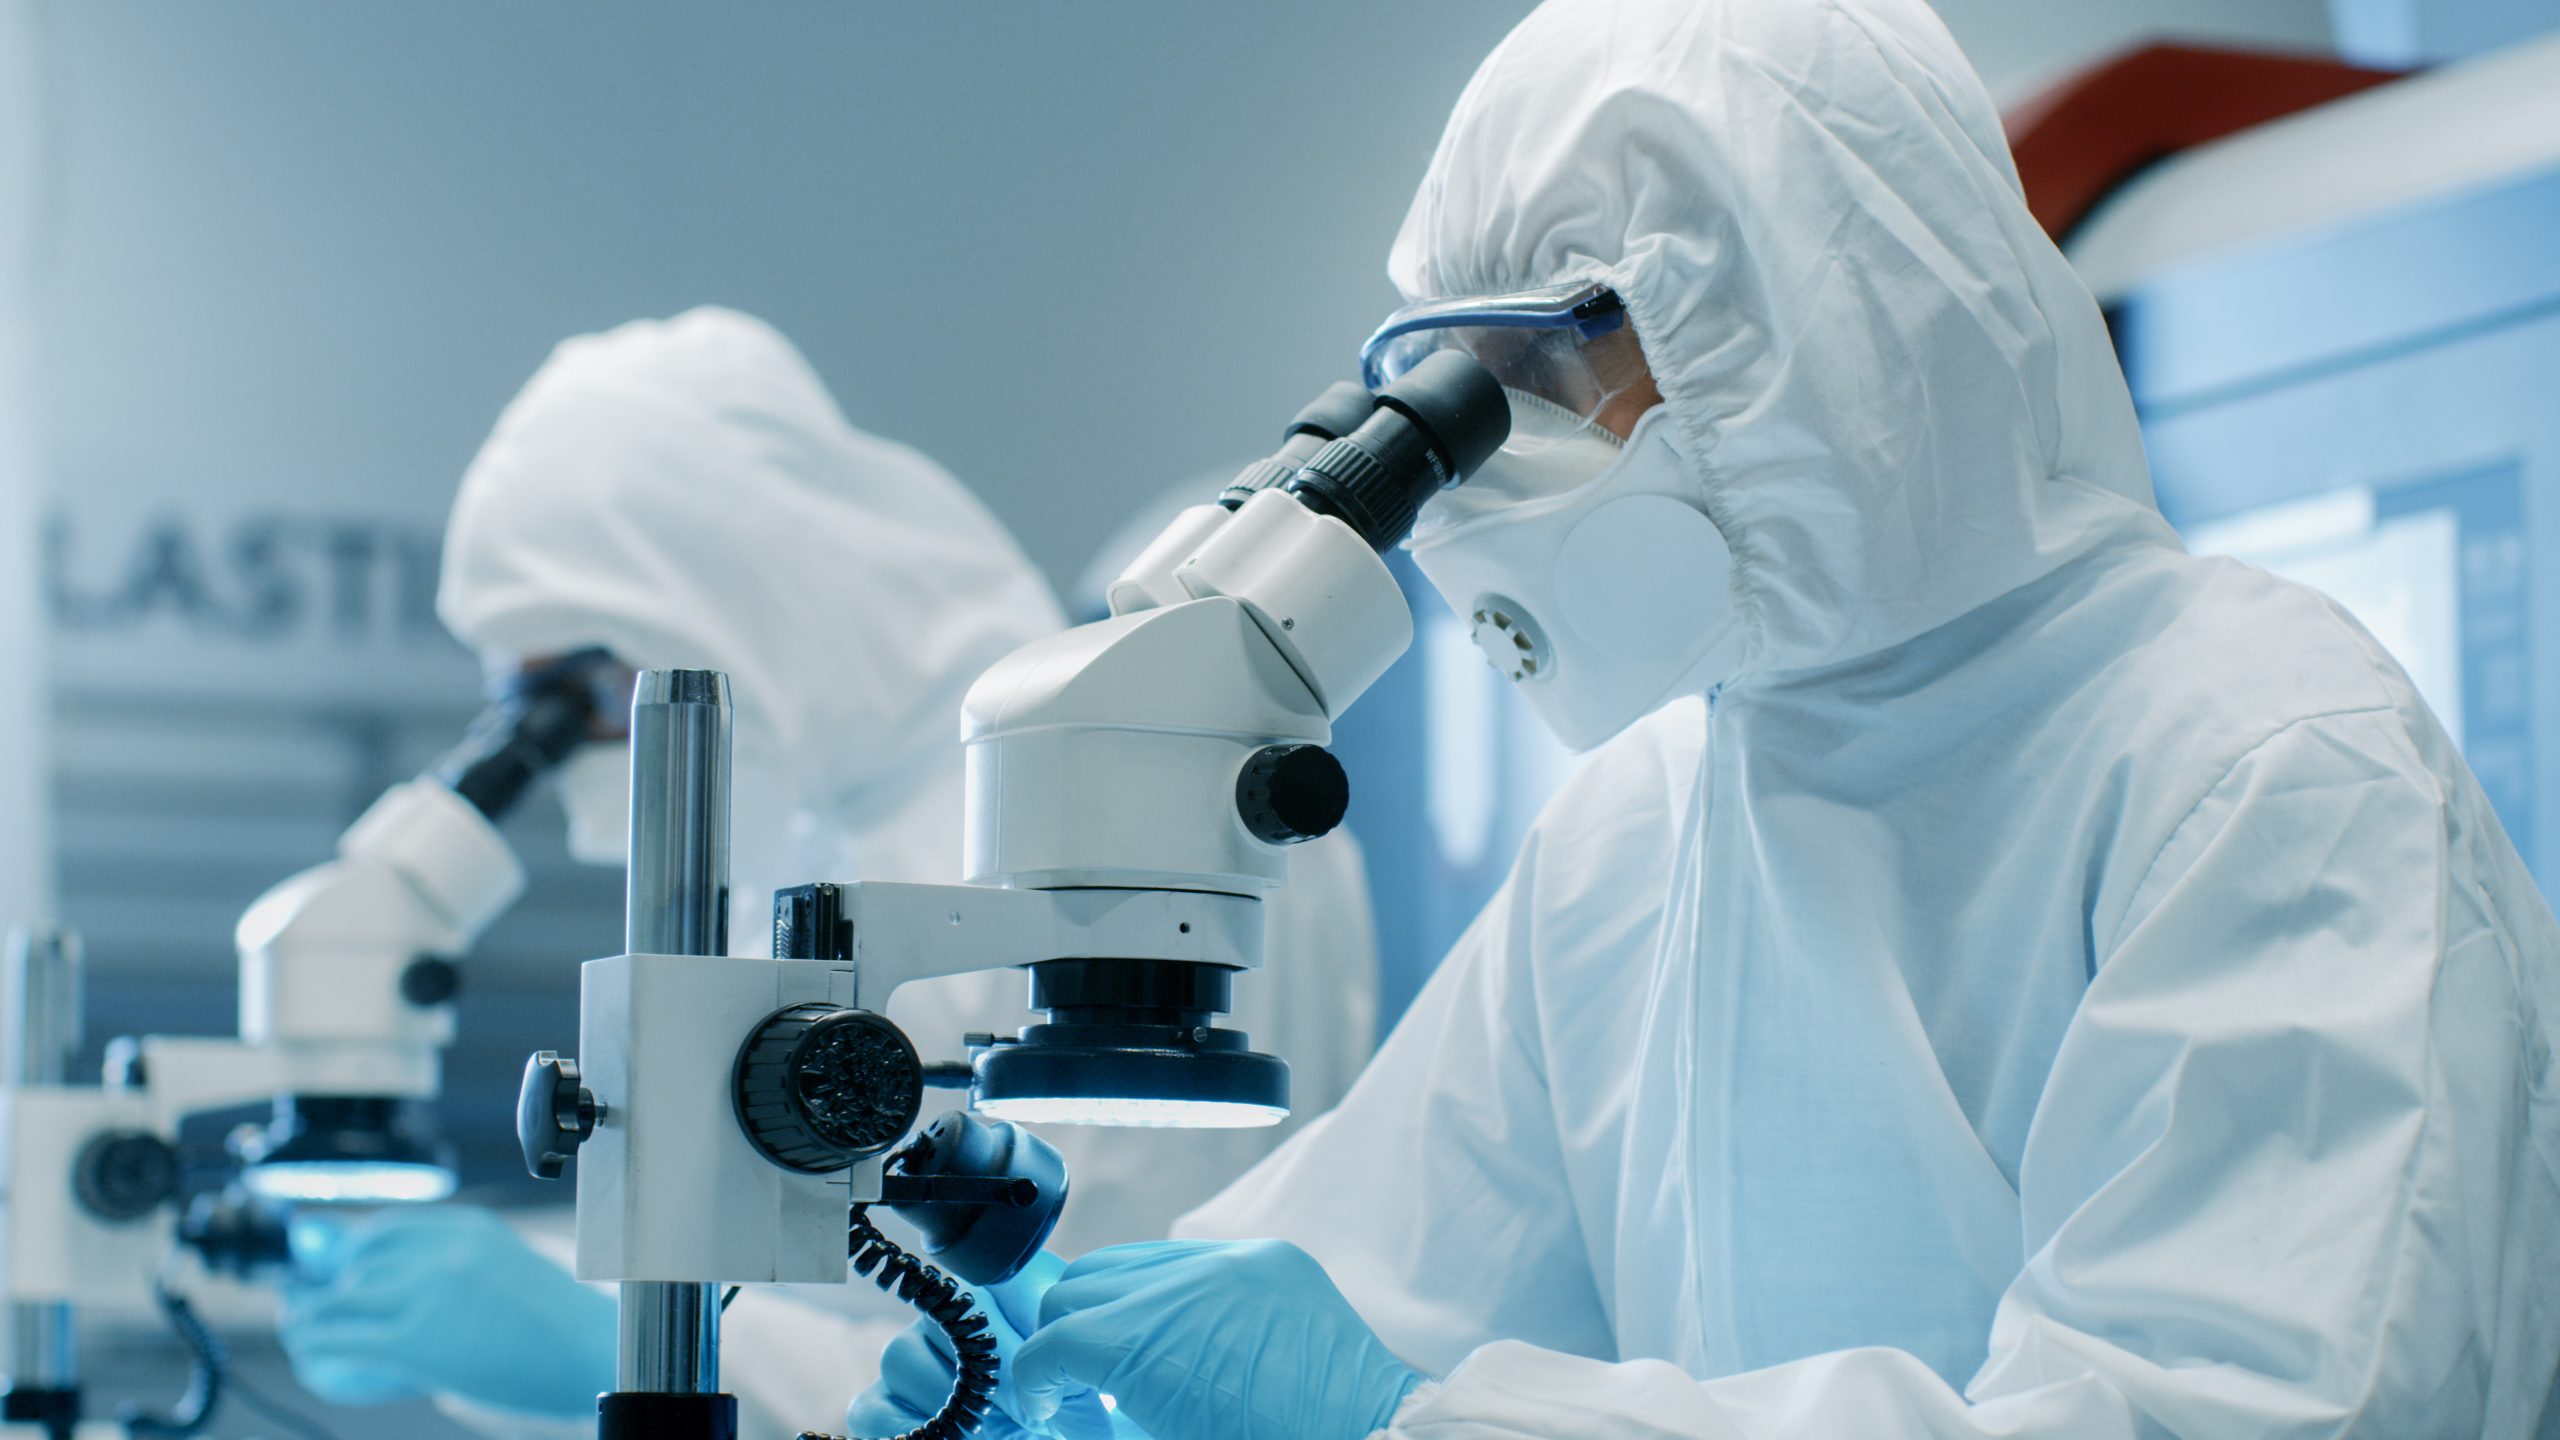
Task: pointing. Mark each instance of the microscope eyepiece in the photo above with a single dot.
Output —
(1460, 405)
(1428, 430)
(533, 725)
(1330, 416)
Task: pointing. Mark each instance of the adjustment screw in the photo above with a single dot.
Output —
(554, 1114)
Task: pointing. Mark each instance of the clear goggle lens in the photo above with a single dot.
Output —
(1569, 347)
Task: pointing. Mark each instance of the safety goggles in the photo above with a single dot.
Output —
(1567, 345)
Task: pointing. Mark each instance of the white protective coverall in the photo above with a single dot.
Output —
(2061, 988)
(686, 493)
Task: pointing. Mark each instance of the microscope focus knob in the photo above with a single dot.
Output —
(430, 980)
(554, 1114)
(820, 1086)
(122, 1175)
(1289, 793)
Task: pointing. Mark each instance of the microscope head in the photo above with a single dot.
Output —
(1179, 746)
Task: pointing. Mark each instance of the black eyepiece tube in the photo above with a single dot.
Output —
(1330, 416)
(1459, 403)
(518, 739)
(1335, 413)
(1431, 429)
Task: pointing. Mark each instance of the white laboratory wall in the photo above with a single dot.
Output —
(2424, 32)
(26, 852)
(1073, 251)
(2019, 45)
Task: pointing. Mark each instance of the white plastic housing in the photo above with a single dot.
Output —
(1149, 581)
(1108, 755)
(441, 844)
(668, 1186)
(419, 873)
(192, 1074)
(52, 1248)
(904, 932)
(1321, 595)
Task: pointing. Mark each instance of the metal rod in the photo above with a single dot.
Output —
(670, 1339)
(43, 985)
(676, 903)
(44, 1353)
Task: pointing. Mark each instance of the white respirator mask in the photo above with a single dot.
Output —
(594, 785)
(1587, 570)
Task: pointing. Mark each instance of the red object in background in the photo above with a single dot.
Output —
(2082, 137)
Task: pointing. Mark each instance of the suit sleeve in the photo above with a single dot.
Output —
(1434, 1194)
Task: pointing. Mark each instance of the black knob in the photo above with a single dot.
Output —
(1289, 793)
(820, 1086)
(554, 1114)
(429, 980)
(983, 1194)
(238, 1235)
(124, 1174)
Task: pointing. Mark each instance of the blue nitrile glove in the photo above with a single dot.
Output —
(447, 1301)
(918, 1368)
(1206, 1340)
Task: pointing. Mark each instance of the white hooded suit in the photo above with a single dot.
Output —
(2060, 987)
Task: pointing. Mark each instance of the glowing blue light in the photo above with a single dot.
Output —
(1145, 1114)
(348, 1182)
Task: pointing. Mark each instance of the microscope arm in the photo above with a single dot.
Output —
(357, 953)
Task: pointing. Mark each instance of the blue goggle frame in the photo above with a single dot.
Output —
(1590, 309)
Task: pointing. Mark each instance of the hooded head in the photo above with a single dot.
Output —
(1899, 400)
(685, 493)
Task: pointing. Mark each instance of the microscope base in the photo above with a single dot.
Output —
(639, 1415)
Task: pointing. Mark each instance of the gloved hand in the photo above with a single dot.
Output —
(1203, 1340)
(918, 1368)
(447, 1301)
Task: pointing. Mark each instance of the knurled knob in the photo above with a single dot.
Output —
(820, 1086)
(122, 1175)
(1289, 793)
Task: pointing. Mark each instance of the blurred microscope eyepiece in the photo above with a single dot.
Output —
(534, 720)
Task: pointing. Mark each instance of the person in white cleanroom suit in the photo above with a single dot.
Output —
(686, 493)
(2050, 986)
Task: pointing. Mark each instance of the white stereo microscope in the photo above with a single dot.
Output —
(347, 976)
(1132, 786)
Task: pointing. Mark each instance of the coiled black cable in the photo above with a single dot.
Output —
(947, 1304)
(194, 1410)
